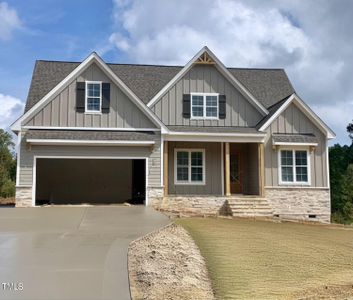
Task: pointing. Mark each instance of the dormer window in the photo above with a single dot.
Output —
(204, 106)
(93, 97)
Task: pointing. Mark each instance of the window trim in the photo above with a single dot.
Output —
(279, 166)
(87, 111)
(189, 182)
(204, 117)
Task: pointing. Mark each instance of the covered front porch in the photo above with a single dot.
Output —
(226, 169)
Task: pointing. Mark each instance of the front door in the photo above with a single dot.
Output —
(236, 171)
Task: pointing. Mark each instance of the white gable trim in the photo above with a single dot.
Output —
(223, 70)
(304, 108)
(92, 58)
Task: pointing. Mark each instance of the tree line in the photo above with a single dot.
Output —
(341, 180)
(7, 165)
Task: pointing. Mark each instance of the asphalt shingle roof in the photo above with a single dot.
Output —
(294, 138)
(90, 135)
(268, 85)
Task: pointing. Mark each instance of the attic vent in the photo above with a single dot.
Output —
(205, 59)
(312, 216)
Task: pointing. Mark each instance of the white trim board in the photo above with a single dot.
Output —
(92, 58)
(35, 157)
(222, 69)
(220, 137)
(89, 142)
(306, 110)
(91, 128)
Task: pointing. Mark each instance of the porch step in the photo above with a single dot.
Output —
(250, 206)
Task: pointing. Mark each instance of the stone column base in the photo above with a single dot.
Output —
(306, 204)
(23, 196)
(192, 205)
(155, 195)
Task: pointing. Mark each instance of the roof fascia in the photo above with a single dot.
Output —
(304, 109)
(224, 71)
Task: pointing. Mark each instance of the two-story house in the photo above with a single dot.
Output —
(202, 139)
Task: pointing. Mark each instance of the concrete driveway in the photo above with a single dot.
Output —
(70, 252)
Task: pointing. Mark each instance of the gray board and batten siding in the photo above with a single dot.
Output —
(61, 111)
(293, 121)
(152, 153)
(205, 79)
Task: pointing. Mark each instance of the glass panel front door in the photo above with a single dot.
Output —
(236, 180)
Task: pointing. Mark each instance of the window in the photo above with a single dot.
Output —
(93, 97)
(294, 166)
(204, 106)
(189, 166)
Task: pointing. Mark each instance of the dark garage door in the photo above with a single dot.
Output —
(93, 181)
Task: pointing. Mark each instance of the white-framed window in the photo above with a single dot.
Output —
(189, 166)
(294, 166)
(204, 106)
(93, 99)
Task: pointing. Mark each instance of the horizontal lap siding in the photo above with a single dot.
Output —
(27, 155)
(61, 110)
(206, 79)
(213, 184)
(292, 120)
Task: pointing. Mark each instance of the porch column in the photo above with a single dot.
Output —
(261, 160)
(165, 168)
(227, 168)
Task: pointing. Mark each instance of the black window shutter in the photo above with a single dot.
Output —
(80, 96)
(222, 106)
(186, 106)
(105, 97)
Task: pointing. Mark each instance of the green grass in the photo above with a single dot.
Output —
(250, 259)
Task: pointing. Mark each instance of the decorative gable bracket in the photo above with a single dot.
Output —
(205, 59)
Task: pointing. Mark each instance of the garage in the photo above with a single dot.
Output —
(90, 181)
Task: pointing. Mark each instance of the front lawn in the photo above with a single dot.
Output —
(250, 259)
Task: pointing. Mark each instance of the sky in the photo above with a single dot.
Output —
(311, 39)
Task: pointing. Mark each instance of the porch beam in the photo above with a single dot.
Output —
(261, 160)
(165, 168)
(227, 168)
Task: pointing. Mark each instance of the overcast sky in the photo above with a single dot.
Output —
(312, 40)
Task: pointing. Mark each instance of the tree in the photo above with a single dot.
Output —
(7, 165)
(350, 130)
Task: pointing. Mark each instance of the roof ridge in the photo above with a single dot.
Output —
(156, 65)
(259, 69)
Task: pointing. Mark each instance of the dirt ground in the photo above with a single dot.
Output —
(334, 292)
(7, 201)
(167, 264)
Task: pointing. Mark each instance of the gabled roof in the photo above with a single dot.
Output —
(304, 108)
(268, 85)
(54, 89)
(205, 55)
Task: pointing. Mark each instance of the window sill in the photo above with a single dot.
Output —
(298, 184)
(93, 113)
(201, 119)
(189, 183)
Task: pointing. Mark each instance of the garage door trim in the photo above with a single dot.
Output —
(35, 157)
